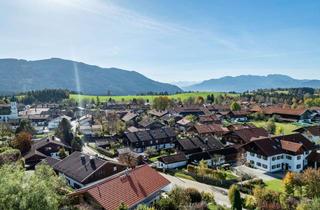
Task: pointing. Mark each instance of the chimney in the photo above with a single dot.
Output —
(92, 158)
(92, 161)
(127, 172)
(83, 159)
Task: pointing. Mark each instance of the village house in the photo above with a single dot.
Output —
(141, 185)
(157, 114)
(238, 126)
(210, 129)
(192, 110)
(238, 116)
(289, 115)
(8, 112)
(209, 119)
(150, 123)
(128, 157)
(54, 123)
(46, 147)
(244, 136)
(129, 118)
(162, 138)
(286, 152)
(184, 124)
(218, 108)
(198, 144)
(80, 169)
(172, 161)
(311, 132)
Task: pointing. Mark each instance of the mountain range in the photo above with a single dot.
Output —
(17, 75)
(251, 82)
(22, 75)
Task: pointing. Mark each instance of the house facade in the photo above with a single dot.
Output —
(8, 112)
(280, 153)
(163, 138)
(172, 161)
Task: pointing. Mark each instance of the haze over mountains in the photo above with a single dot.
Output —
(22, 75)
(250, 82)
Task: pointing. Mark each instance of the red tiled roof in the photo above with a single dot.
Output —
(290, 146)
(285, 111)
(212, 128)
(131, 189)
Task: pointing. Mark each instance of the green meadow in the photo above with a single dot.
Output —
(181, 96)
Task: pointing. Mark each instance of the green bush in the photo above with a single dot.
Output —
(106, 152)
(194, 194)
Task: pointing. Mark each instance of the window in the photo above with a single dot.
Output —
(258, 164)
(278, 165)
(299, 157)
(298, 166)
(264, 166)
(252, 162)
(258, 156)
(151, 142)
(273, 158)
(279, 157)
(289, 157)
(252, 154)
(274, 166)
(115, 168)
(265, 158)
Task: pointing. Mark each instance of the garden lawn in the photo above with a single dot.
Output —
(184, 176)
(275, 184)
(287, 127)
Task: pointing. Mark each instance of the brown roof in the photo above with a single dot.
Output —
(130, 187)
(129, 116)
(285, 111)
(250, 133)
(234, 127)
(157, 113)
(293, 143)
(173, 158)
(208, 118)
(314, 130)
(82, 169)
(212, 128)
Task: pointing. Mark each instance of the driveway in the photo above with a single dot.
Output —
(220, 194)
(257, 173)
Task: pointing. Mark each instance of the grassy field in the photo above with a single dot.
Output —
(287, 127)
(181, 96)
(275, 184)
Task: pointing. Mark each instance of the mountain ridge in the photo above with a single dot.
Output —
(243, 83)
(18, 75)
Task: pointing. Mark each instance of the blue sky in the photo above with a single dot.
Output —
(169, 40)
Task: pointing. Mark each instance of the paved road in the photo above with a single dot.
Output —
(220, 194)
